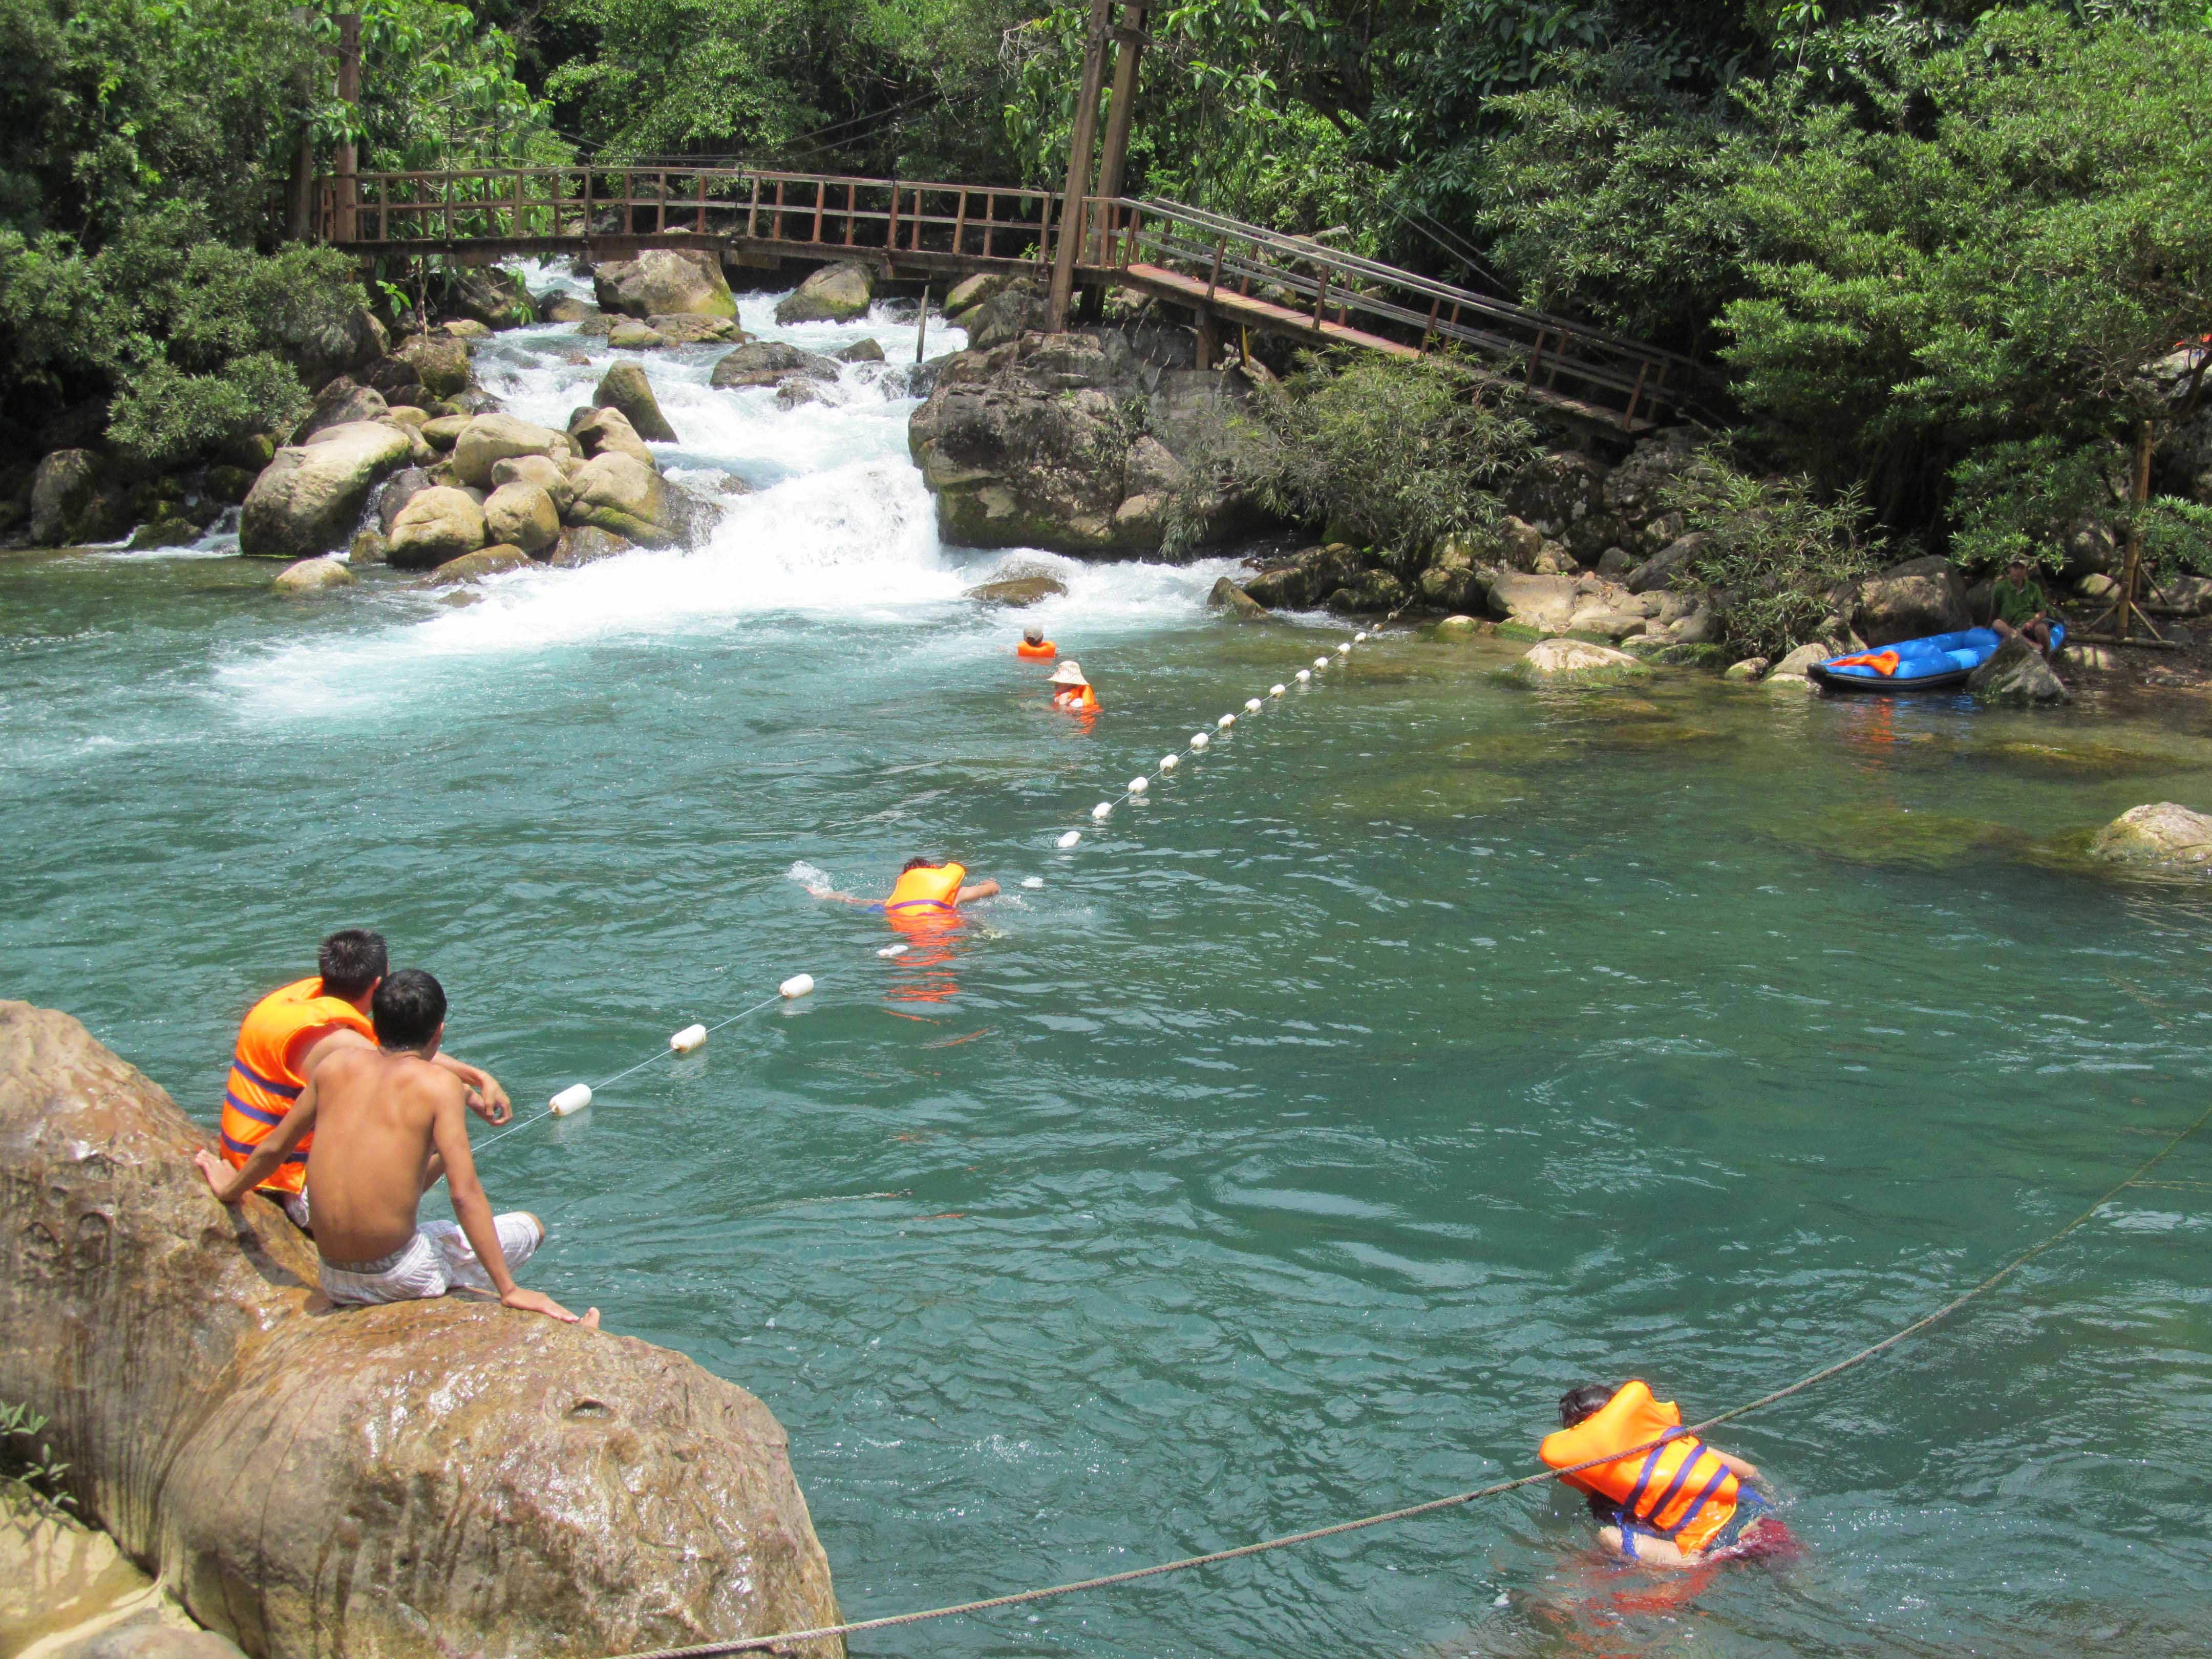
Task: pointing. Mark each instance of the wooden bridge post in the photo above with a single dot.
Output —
(1129, 46)
(1073, 204)
(348, 167)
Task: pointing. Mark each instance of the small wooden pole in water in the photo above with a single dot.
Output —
(2132, 572)
(922, 324)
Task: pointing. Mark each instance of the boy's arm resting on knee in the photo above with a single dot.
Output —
(491, 1104)
(449, 1135)
(231, 1185)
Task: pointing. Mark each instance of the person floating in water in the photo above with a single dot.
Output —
(924, 890)
(2018, 606)
(1034, 646)
(387, 1122)
(287, 1035)
(1676, 1504)
(1075, 693)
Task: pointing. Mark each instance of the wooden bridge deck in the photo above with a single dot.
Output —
(1219, 268)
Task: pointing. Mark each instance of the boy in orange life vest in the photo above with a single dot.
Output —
(1675, 1504)
(1034, 647)
(1075, 694)
(290, 1032)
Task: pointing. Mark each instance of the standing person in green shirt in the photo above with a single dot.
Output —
(2017, 606)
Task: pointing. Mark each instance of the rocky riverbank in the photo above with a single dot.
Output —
(434, 1478)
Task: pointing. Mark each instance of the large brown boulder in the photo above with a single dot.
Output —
(834, 294)
(409, 1482)
(678, 281)
(624, 386)
(1070, 442)
(1908, 600)
(308, 499)
(436, 525)
(488, 439)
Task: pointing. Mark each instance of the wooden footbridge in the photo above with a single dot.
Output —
(1229, 275)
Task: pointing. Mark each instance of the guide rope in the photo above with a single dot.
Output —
(1107, 1581)
(664, 1053)
(1201, 741)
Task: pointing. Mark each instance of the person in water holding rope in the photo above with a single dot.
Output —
(2017, 606)
(1075, 695)
(1677, 1503)
(388, 1122)
(1034, 647)
(290, 1032)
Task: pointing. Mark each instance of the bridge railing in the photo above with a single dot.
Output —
(443, 211)
(1633, 383)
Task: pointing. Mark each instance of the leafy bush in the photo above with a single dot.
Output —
(1398, 456)
(1774, 552)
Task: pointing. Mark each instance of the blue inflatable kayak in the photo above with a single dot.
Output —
(1922, 664)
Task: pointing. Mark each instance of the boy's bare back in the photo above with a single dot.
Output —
(378, 1131)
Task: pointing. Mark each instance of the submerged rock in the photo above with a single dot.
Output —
(313, 576)
(474, 567)
(438, 1477)
(2163, 834)
(586, 543)
(1017, 592)
(767, 362)
(1553, 661)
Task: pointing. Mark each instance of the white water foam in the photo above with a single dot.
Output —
(838, 529)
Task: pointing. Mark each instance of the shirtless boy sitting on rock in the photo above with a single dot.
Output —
(387, 1125)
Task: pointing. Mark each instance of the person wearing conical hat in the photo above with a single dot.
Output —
(1074, 695)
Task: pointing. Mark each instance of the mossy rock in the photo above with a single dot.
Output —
(2087, 760)
(1880, 835)
(1666, 655)
(1520, 631)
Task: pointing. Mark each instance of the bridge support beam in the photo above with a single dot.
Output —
(1129, 46)
(1073, 206)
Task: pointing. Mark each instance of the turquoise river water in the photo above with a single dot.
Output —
(1277, 1155)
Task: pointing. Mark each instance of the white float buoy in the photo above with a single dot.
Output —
(1032, 882)
(1305, 674)
(1320, 662)
(1277, 690)
(1138, 786)
(688, 1039)
(893, 951)
(797, 985)
(1253, 705)
(1343, 650)
(1169, 762)
(1199, 740)
(1072, 838)
(1225, 722)
(1359, 639)
(1102, 812)
(574, 1098)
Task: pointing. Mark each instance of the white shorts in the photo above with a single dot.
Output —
(431, 1263)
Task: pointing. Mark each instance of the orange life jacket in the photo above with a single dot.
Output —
(1882, 662)
(1044, 651)
(263, 1085)
(1678, 1489)
(932, 887)
(1078, 699)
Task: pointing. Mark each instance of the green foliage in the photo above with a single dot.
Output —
(1605, 194)
(1773, 551)
(1994, 263)
(438, 90)
(37, 1471)
(1402, 456)
(191, 332)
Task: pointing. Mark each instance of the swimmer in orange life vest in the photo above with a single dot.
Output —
(924, 890)
(1075, 693)
(1678, 1503)
(1034, 646)
(290, 1032)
